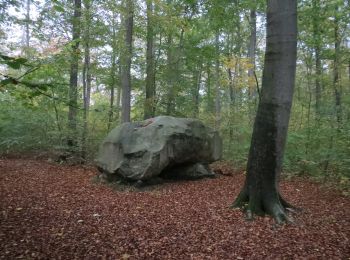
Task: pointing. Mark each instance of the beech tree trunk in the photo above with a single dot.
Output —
(171, 76)
(260, 191)
(209, 106)
(232, 102)
(113, 71)
(251, 53)
(119, 93)
(149, 108)
(111, 98)
(336, 80)
(73, 81)
(174, 57)
(317, 49)
(126, 62)
(86, 75)
(217, 85)
(196, 94)
(174, 53)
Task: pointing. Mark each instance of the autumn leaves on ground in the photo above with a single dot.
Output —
(51, 211)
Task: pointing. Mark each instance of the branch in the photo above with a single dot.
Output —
(257, 85)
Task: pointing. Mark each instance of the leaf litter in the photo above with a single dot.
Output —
(51, 211)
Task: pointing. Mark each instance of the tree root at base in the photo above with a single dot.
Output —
(277, 207)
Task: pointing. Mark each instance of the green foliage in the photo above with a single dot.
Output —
(14, 63)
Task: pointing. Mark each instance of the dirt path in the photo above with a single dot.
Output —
(49, 211)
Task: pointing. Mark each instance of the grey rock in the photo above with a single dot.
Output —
(142, 150)
(188, 172)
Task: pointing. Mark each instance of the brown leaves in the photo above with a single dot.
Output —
(56, 211)
(223, 168)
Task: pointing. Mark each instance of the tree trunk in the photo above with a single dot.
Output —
(309, 73)
(113, 72)
(149, 109)
(238, 55)
(318, 80)
(73, 82)
(208, 85)
(336, 81)
(317, 49)
(196, 90)
(126, 61)
(57, 116)
(174, 54)
(27, 35)
(86, 76)
(170, 72)
(232, 103)
(231, 87)
(260, 190)
(217, 85)
(111, 99)
(119, 93)
(251, 54)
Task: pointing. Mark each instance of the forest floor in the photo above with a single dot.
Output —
(52, 211)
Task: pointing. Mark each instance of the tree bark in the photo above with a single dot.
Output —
(149, 108)
(318, 81)
(111, 98)
(336, 81)
(126, 61)
(174, 54)
(119, 93)
(217, 85)
(251, 53)
(232, 102)
(308, 73)
(113, 72)
(260, 191)
(209, 107)
(27, 26)
(317, 49)
(196, 94)
(86, 75)
(73, 81)
(170, 72)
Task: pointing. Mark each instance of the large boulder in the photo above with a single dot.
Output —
(147, 149)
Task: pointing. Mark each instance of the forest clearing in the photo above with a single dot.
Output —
(52, 211)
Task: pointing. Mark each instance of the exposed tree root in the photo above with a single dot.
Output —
(289, 206)
(275, 206)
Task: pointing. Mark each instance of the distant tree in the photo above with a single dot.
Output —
(149, 109)
(252, 51)
(171, 69)
(217, 84)
(126, 60)
(317, 49)
(86, 73)
(73, 82)
(336, 70)
(260, 191)
(113, 73)
(27, 23)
